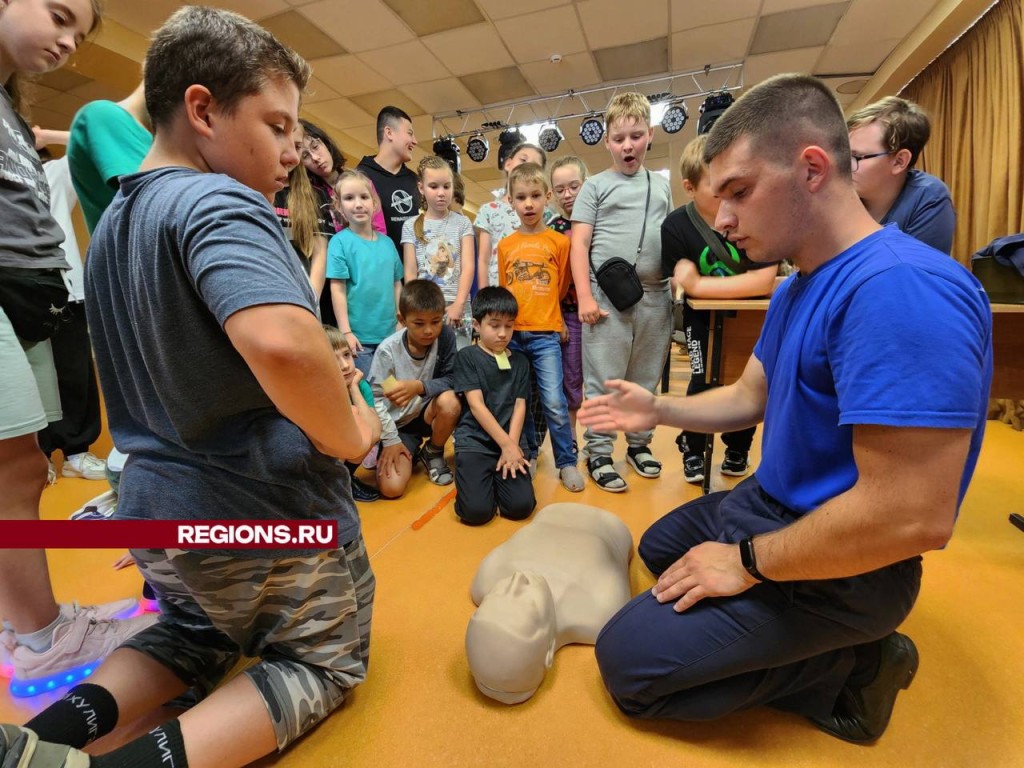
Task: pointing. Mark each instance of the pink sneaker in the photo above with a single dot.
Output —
(117, 609)
(79, 645)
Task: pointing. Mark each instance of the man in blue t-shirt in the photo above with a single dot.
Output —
(886, 138)
(876, 355)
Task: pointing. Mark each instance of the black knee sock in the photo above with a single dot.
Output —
(85, 713)
(162, 747)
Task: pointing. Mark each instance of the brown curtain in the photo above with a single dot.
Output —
(974, 95)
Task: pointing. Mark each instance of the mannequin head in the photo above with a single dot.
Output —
(510, 641)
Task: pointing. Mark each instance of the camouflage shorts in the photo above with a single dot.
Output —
(307, 619)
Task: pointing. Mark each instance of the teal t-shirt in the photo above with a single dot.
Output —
(106, 143)
(366, 391)
(370, 268)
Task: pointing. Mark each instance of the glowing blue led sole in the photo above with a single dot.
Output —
(25, 688)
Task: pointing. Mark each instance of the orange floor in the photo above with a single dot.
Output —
(419, 706)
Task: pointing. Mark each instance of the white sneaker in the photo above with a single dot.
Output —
(51, 472)
(118, 609)
(79, 645)
(101, 507)
(84, 465)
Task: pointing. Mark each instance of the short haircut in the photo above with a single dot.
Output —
(691, 162)
(527, 145)
(316, 132)
(421, 296)
(780, 116)
(628, 106)
(905, 124)
(220, 50)
(337, 339)
(528, 173)
(458, 189)
(389, 116)
(494, 300)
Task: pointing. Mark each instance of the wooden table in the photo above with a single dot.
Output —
(1008, 351)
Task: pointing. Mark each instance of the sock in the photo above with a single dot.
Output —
(163, 747)
(85, 713)
(41, 639)
(431, 448)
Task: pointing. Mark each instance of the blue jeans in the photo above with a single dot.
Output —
(544, 351)
(365, 358)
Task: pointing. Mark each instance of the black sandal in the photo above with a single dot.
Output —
(606, 479)
(645, 467)
(438, 471)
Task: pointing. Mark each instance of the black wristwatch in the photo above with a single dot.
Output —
(749, 560)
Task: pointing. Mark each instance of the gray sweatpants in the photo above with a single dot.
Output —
(630, 345)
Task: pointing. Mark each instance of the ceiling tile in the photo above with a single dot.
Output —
(607, 25)
(470, 49)
(406, 63)
(378, 26)
(141, 17)
(483, 172)
(529, 41)
(572, 72)
(635, 60)
(780, 6)
(866, 19)
(717, 44)
(856, 58)
(758, 68)
(445, 95)
(373, 103)
(348, 75)
(47, 118)
(340, 112)
(306, 38)
(503, 9)
(497, 85)
(64, 103)
(318, 90)
(797, 29)
(99, 63)
(687, 14)
(98, 89)
(366, 135)
(63, 79)
(427, 18)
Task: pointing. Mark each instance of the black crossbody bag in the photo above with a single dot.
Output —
(34, 300)
(617, 277)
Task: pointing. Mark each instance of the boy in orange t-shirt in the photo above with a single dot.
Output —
(533, 263)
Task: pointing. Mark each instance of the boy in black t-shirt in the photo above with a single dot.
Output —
(706, 269)
(491, 469)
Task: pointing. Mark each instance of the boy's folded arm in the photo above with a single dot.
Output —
(751, 284)
(286, 350)
(444, 369)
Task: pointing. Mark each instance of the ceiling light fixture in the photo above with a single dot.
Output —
(591, 130)
(477, 148)
(446, 148)
(712, 109)
(675, 118)
(550, 137)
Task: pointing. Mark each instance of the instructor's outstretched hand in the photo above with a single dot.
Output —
(627, 407)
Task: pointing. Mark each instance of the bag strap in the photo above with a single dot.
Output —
(711, 238)
(643, 229)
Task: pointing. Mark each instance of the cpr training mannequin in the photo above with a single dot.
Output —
(554, 582)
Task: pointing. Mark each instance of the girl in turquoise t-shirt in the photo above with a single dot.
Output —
(364, 269)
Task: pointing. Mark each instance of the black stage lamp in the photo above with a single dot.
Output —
(477, 148)
(712, 108)
(509, 139)
(550, 137)
(591, 131)
(446, 148)
(675, 118)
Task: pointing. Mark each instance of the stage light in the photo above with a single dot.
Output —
(712, 109)
(550, 137)
(477, 148)
(509, 139)
(675, 118)
(446, 148)
(591, 131)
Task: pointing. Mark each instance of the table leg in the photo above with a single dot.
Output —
(714, 372)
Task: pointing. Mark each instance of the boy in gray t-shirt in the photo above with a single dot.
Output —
(617, 213)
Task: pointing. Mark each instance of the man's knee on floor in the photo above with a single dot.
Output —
(474, 513)
(519, 509)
